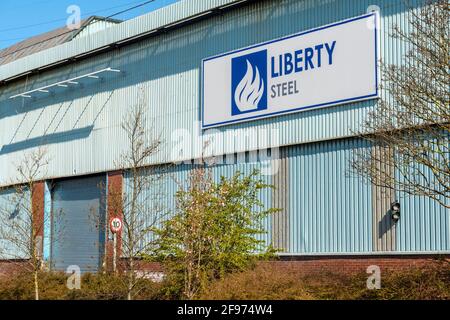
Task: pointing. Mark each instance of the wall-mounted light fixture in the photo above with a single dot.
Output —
(395, 210)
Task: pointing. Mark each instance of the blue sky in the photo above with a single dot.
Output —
(20, 19)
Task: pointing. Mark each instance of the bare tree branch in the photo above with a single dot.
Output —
(141, 200)
(412, 122)
(21, 230)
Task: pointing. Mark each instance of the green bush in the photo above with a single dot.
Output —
(213, 232)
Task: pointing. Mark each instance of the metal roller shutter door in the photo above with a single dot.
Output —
(78, 235)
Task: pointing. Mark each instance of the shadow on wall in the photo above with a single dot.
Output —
(385, 224)
(174, 53)
(183, 49)
(59, 137)
(55, 137)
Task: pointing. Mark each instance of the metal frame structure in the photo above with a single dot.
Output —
(64, 84)
(135, 38)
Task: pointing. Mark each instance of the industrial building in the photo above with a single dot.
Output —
(277, 85)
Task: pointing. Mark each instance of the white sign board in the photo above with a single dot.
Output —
(326, 66)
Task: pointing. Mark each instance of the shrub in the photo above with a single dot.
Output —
(20, 286)
(267, 281)
(214, 230)
(99, 286)
(429, 283)
(262, 283)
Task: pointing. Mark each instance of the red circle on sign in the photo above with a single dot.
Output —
(115, 225)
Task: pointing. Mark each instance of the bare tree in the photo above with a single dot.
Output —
(410, 128)
(140, 202)
(22, 222)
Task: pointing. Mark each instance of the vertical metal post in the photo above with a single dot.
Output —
(114, 252)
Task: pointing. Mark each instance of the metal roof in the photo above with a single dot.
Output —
(46, 40)
(150, 24)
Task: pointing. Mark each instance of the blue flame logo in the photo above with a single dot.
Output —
(249, 82)
(250, 90)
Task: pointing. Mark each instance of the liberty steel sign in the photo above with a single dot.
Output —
(330, 65)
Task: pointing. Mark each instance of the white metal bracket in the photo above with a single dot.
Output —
(64, 84)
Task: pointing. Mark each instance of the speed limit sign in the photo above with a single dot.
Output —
(116, 225)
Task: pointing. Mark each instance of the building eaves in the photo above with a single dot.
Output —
(46, 40)
(150, 24)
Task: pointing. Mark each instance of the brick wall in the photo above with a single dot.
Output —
(338, 264)
(355, 264)
(141, 265)
(10, 267)
(304, 264)
(115, 181)
(37, 207)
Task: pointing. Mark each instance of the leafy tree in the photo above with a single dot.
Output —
(214, 230)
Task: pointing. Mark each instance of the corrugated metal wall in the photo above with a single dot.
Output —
(78, 216)
(280, 199)
(424, 224)
(330, 210)
(47, 240)
(80, 123)
(384, 228)
(95, 26)
(324, 209)
(15, 217)
(158, 196)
